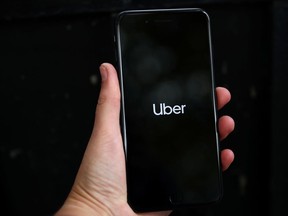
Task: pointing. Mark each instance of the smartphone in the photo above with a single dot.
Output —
(169, 115)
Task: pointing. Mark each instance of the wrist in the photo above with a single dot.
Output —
(70, 209)
(77, 205)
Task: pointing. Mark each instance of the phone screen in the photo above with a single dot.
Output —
(169, 114)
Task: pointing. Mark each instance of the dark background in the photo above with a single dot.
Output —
(50, 51)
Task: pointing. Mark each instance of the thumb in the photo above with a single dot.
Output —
(106, 141)
(108, 107)
(101, 179)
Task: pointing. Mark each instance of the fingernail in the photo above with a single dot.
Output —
(103, 72)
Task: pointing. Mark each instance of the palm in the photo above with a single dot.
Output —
(100, 185)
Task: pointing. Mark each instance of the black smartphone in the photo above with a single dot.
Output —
(169, 116)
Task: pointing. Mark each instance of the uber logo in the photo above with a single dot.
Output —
(168, 110)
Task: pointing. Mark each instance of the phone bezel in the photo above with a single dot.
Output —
(120, 72)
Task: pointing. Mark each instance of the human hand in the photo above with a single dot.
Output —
(100, 185)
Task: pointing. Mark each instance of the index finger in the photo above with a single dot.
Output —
(223, 96)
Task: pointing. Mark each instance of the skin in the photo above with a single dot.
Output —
(100, 185)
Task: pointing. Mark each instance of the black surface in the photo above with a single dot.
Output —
(49, 87)
(279, 105)
(10, 9)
